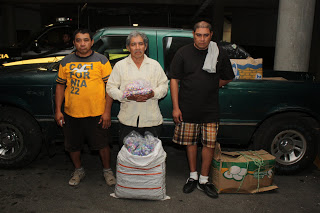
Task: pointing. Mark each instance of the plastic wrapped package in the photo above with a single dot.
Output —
(137, 87)
(138, 145)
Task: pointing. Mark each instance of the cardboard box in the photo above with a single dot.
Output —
(243, 171)
(248, 68)
(317, 161)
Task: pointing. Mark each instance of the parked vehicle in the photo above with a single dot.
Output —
(280, 116)
(45, 43)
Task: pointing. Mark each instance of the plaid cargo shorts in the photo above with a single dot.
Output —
(188, 134)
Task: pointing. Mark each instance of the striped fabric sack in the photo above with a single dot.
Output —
(141, 177)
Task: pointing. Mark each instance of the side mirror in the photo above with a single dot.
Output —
(107, 55)
(36, 47)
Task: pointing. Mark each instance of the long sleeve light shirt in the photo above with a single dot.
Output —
(132, 113)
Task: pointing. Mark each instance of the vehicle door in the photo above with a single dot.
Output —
(236, 127)
(49, 43)
(168, 44)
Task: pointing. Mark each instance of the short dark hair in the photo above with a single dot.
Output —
(135, 34)
(82, 31)
(202, 24)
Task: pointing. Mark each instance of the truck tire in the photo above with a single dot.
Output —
(291, 138)
(20, 138)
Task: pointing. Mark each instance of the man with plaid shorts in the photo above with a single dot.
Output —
(195, 102)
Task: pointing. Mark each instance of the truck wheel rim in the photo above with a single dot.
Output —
(11, 141)
(288, 147)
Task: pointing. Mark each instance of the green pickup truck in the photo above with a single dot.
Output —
(280, 116)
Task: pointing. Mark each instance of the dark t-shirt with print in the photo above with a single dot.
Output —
(199, 90)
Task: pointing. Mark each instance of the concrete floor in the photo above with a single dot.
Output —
(43, 187)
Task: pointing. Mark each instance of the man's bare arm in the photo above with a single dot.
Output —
(59, 97)
(106, 116)
(174, 89)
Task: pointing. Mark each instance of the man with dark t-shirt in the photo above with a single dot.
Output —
(201, 69)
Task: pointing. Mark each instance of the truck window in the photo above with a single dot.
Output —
(170, 47)
(53, 37)
(113, 47)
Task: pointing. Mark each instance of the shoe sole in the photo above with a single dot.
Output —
(112, 184)
(78, 183)
(188, 192)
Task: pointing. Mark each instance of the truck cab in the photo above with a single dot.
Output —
(47, 42)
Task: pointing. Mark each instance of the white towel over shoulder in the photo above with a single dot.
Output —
(212, 57)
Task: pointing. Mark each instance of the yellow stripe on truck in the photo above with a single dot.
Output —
(116, 56)
(34, 61)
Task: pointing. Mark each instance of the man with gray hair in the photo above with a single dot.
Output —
(139, 112)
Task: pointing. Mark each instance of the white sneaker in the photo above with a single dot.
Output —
(77, 176)
(109, 178)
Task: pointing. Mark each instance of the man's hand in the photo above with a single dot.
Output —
(59, 118)
(105, 119)
(223, 82)
(141, 98)
(177, 116)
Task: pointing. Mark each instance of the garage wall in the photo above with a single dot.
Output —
(28, 20)
(2, 35)
(18, 22)
(314, 66)
(254, 26)
(255, 30)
